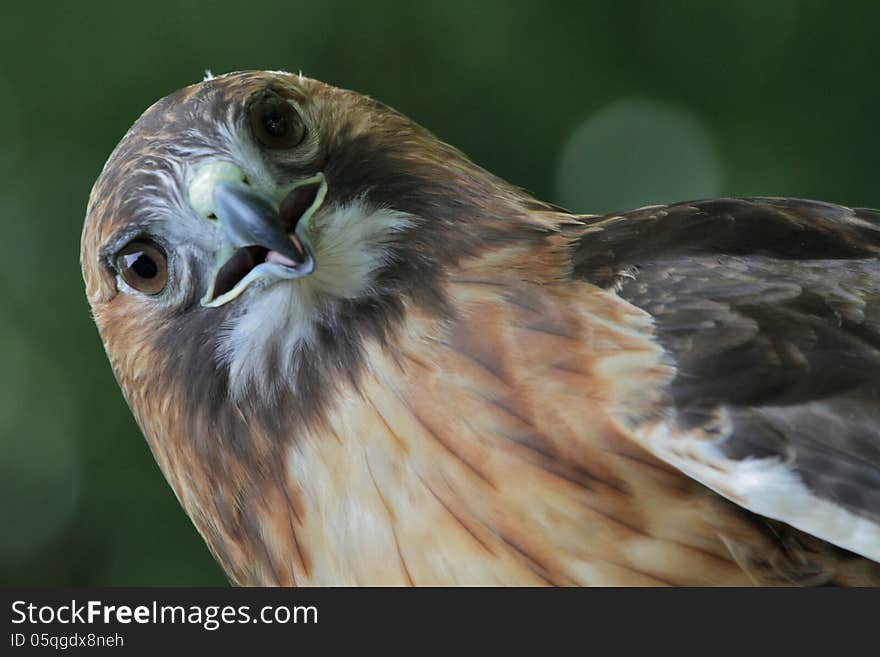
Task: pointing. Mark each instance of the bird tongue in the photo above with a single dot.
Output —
(244, 259)
(279, 259)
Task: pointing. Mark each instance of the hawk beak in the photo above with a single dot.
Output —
(264, 239)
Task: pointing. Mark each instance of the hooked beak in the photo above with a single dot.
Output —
(264, 239)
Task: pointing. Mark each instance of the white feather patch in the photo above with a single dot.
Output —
(350, 245)
(768, 487)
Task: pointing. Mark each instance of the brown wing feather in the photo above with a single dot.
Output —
(770, 312)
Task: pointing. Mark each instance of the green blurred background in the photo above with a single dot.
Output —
(596, 106)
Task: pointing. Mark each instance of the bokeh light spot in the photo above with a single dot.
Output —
(635, 153)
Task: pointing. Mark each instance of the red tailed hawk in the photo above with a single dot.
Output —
(359, 358)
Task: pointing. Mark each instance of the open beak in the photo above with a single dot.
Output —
(264, 239)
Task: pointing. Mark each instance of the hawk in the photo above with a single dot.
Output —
(360, 358)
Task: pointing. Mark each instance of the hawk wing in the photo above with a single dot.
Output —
(769, 311)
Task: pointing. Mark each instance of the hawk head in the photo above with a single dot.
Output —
(248, 242)
(251, 232)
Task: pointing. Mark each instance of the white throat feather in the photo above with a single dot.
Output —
(276, 321)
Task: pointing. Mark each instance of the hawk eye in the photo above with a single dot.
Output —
(143, 266)
(275, 123)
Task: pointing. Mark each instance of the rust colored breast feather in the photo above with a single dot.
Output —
(491, 448)
(482, 450)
